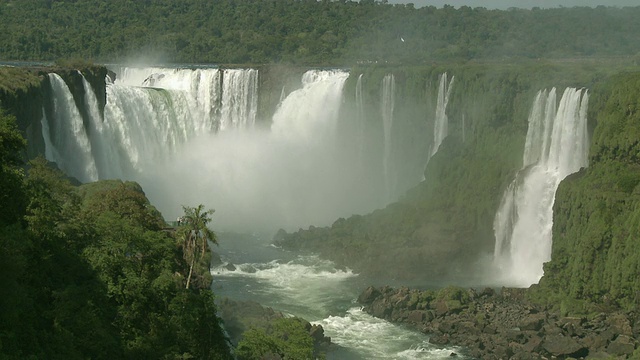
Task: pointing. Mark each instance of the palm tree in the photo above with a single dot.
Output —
(195, 234)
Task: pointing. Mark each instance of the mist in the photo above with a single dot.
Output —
(295, 174)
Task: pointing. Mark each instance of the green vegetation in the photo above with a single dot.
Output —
(16, 79)
(595, 256)
(306, 32)
(195, 234)
(284, 339)
(89, 273)
(441, 225)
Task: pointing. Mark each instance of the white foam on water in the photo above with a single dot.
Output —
(374, 338)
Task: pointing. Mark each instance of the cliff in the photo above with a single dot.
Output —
(595, 256)
(21, 96)
(24, 93)
(442, 229)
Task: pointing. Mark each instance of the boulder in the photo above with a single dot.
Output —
(532, 344)
(317, 333)
(230, 267)
(380, 309)
(441, 339)
(598, 355)
(622, 345)
(595, 341)
(532, 322)
(417, 316)
(443, 307)
(467, 328)
(487, 292)
(215, 260)
(369, 295)
(514, 294)
(503, 352)
(620, 324)
(564, 346)
(399, 314)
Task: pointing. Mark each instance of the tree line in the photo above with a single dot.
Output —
(306, 32)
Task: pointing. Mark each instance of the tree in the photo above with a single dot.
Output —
(12, 195)
(285, 339)
(195, 234)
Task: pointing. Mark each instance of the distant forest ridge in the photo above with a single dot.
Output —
(306, 32)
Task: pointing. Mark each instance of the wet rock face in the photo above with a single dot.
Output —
(503, 326)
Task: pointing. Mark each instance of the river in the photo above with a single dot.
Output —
(314, 289)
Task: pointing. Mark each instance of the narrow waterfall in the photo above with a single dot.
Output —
(66, 136)
(387, 103)
(99, 149)
(441, 123)
(556, 146)
(283, 95)
(239, 98)
(360, 117)
(441, 120)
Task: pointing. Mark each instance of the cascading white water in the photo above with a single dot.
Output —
(222, 99)
(164, 128)
(387, 104)
(95, 128)
(239, 98)
(316, 290)
(200, 88)
(290, 175)
(556, 146)
(360, 116)
(441, 120)
(441, 123)
(309, 115)
(66, 136)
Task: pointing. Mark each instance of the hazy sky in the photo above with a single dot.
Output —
(505, 4)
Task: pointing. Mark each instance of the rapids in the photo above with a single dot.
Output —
(316, 290)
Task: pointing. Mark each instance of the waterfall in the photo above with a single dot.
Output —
(239, 98)
(360, 116)
(441, 123)
(315, 122)
(65, 133)
(96, 128)
(387, 103)
(441, 120)
(556, 146)
(290, 175)
(187, 136)
(283, 95)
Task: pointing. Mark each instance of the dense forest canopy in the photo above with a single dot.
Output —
(88, 272)
(306, 31)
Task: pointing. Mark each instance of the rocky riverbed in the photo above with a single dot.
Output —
(503, 325)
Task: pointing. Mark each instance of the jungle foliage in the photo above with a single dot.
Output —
(443, 225)
(285, 338)
(306, 31)
(595, 255)
(89, 272)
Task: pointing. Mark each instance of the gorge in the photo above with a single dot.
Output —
(292, 148)
(389, 180)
